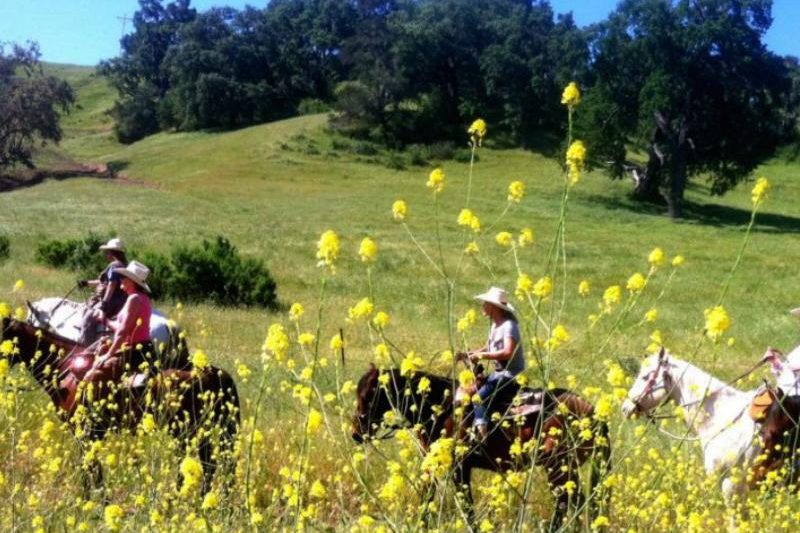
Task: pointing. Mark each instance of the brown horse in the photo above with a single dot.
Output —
(202, 404)
(546, 420)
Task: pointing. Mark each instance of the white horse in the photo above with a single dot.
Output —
(64, 318)
(716, 413)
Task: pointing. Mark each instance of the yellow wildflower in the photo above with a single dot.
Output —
(296, 311)
(306, 339)
(200, 360)
(436, 180)
(583, 288)
(368, 250)
(314, 421)
(656, 257)
(678, 260)
(277, 341)
(18, 286)
(760, 190)
(477, 131)
(210, 501)
(337, 343)
(467, 321)
(504, 239)
(543, 287)
(411, 364)
(471, 248)
(466, 378)
(612, 295)
(361, 310)
(651, 315)
(717, 322)
(439, 458)
(424, 385)
(317, 490)
(576, 159)
(328, 248)
(381, 319)
(5, 310)
(636, 283)
(112, 515)
(571, 95)
(468, 219)
(516, 190)
(399, 210)
(524, 285)
(525, 237)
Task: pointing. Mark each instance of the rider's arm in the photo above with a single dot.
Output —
(125, 325)
(504, 354)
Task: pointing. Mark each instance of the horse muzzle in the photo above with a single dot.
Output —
(630, 408)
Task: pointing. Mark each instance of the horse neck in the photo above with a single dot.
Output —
(29, 345)
(398, 398)
(703, 397)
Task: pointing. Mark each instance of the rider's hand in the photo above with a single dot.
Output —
(83, 283)
(474, 357)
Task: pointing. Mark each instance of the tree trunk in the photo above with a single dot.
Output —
(676, 141)
(648, 179)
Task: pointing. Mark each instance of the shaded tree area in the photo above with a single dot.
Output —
(30, 105)
(673, 89)
(690, 89)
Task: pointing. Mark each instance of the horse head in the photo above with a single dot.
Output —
(372, 402)
(653, 386)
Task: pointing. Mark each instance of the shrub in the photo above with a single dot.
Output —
(442, 151)
(312, 106)
(463, 155)
(5, 247)
(213, 271)
(80, 255)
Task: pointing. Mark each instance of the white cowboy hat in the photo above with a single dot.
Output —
(115, 245)
(497, 297)
(136, 272)
(795, 312)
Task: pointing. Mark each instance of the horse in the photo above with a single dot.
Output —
(718, 414)
(192, 404)
(65, 318)
(545, 415)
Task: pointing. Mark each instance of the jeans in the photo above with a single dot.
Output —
(495, 379)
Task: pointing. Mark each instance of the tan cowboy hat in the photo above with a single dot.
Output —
(136, 272)
(115, 245)
(497, 297)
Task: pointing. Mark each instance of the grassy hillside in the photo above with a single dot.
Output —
(272, 195)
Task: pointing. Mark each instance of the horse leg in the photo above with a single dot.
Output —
(205, 453)
(562, 476)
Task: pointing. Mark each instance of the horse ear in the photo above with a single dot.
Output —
(662, 355)
(372, 367)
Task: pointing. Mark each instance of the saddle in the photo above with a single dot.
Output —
(761, 404)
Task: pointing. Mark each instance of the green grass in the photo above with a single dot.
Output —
(274, 203)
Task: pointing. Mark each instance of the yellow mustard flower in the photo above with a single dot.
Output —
(296, 311)
(436, 180)
(328, 248)
(571, 95)
(381, 319)
(368, 250)
(516, 190)
(717, 322)
(678, 260)
(362, 309)
(477, 131)
(399, 210)
(583, 288)
(656, 257)
(543, 287)
(525, 237)
(199, 359)
(636, 282)
(760, 190)
(18, 285)
(504, 239)
(576, 160)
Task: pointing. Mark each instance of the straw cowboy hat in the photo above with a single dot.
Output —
(136, 272)
(115, 245)
(497, 297)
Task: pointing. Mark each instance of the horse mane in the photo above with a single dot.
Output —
(13, 324)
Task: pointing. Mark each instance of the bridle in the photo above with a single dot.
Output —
(667, 383)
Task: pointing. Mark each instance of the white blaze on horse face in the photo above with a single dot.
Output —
(648, 390)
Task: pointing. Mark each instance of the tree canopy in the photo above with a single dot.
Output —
(689, 87)
(30, 103)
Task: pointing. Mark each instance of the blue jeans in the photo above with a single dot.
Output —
(485, 392)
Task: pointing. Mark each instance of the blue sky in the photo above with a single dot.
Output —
(86, 31)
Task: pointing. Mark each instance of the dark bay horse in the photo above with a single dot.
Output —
(548, 426)
(202, 404)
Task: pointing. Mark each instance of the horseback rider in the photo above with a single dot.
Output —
(131, 344)
(108, 297)
(503, 347)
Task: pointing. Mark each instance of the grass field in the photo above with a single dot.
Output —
(272, 198)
